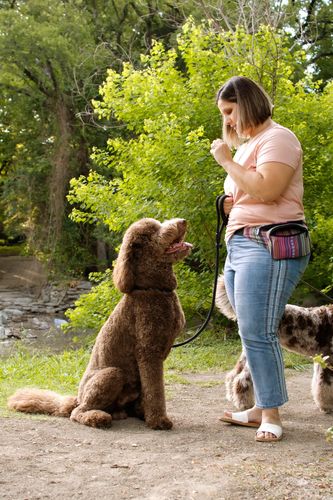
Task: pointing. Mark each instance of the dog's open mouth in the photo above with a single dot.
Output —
(179, 246)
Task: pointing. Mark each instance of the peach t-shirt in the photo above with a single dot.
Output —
(274, 144)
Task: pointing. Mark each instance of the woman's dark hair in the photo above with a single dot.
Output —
(254, 105)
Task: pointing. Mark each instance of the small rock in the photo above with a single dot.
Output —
(3, 318)
(23, 301)
(59, 322)
(3, 335)
(13, 312)
(40, 324)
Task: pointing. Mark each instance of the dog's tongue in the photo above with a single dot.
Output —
(178, 247)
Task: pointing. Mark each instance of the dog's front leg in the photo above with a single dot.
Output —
(151, 374)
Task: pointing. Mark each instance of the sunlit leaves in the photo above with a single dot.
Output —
(161, 166)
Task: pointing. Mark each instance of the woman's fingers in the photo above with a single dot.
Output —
(228, 204)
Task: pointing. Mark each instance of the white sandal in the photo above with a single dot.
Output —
(239, 418)
(272, 429)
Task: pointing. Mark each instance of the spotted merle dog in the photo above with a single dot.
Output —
(307, 331)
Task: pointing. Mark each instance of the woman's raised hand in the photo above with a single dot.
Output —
(221, 151)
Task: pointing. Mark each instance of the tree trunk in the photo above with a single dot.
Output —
(60, 174)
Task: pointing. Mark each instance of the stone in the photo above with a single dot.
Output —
(13, 312)
(3, 318)
(3, 335)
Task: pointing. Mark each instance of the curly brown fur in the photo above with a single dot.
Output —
(239, 387)
(125, 372)
(42, 401)
(307, 331)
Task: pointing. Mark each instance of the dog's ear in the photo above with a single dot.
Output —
(123, 272)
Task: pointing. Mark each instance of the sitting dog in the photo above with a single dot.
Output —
(124, 376)
(307, 331)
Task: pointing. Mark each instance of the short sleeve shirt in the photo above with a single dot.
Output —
(274, 144)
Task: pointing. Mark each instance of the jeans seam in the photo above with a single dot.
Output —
(280, 269)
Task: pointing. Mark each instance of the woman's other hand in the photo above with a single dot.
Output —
(228, 204)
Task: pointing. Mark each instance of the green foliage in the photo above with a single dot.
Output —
(311, 120)
(12, 250)
(321, 360)
(59, 372)
(313, 30)
(44, 45)
(161, 166)
(165, 169)
(321, 267)
(94, 307)
(209, 352)
(54, 55)
(295, 361)
(199, 284)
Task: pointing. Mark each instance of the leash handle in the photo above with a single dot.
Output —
(219, 202)
(220, 208)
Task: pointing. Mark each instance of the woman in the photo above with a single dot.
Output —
(265, 186)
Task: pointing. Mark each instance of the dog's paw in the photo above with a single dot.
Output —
(93, 418)
(159, 424)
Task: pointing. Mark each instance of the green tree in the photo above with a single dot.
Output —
(311, 22)
(307, 22)
(54, 55)
(163, 167)
(43, 145)
(166, 168)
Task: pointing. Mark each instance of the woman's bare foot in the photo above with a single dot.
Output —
(269, 416)
(251, 417)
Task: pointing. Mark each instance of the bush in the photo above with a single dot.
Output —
(161, 167)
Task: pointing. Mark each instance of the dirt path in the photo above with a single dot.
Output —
(201, 458)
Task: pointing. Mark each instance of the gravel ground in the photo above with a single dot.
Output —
(201, 458)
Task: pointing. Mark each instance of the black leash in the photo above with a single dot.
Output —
(219, 229)
(317, 290)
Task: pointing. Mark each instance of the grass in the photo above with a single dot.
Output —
(296, 361)
(11, 250)
(58, 372)
(62, 372)
(204, 355)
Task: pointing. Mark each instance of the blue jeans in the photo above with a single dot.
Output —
(258, 288)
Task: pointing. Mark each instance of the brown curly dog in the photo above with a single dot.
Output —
(124, 376)
(304, 330)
